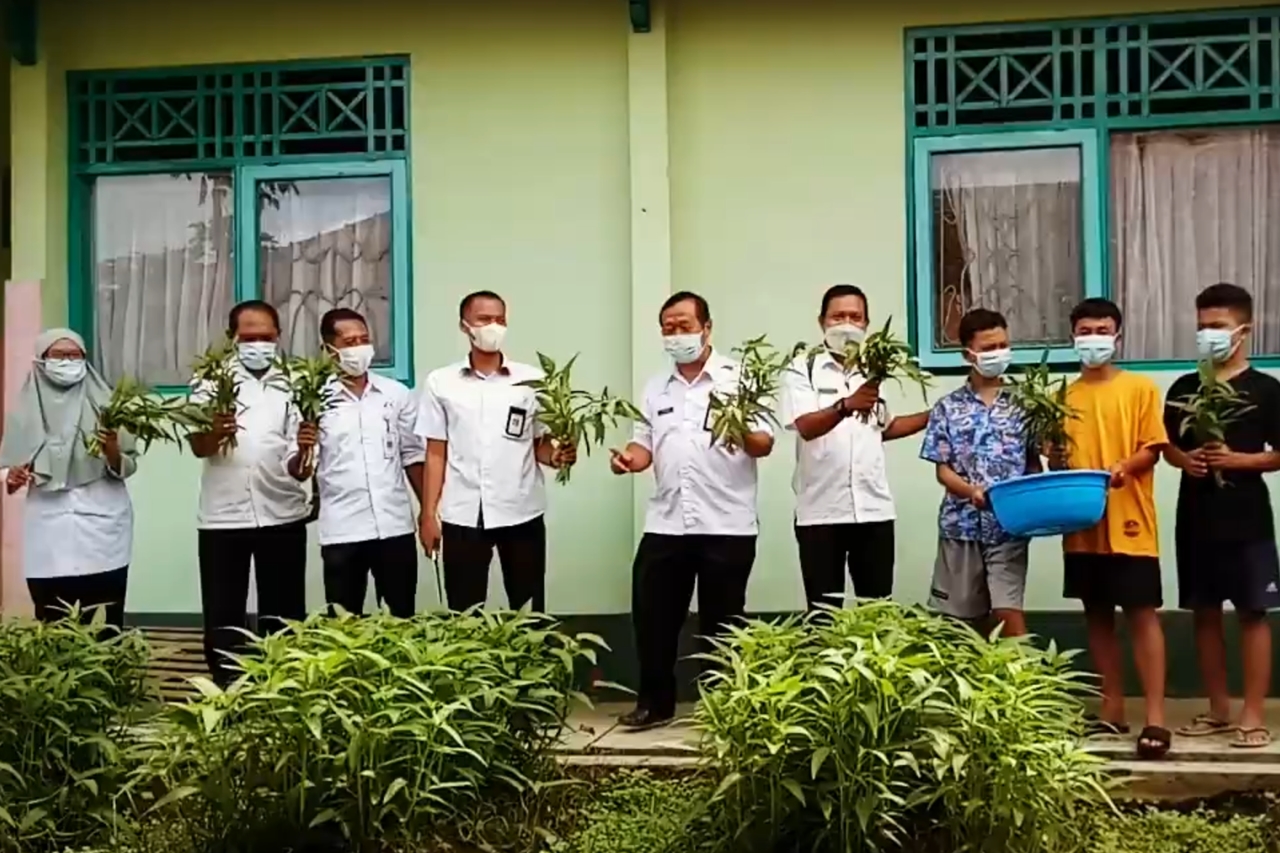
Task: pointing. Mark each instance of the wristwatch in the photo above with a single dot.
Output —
(840, 408)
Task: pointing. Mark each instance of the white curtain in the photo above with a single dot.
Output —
(163, 272)
(327, 244)
(1016, 217)
(1189, 209)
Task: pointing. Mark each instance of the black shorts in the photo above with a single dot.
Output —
(866, 549)
(1245, 573)
(1112, 580)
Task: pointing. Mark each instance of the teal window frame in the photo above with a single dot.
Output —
(1086, 141)
(383, 157)
(1088, 113)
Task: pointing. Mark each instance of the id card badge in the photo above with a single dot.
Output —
(516, 418)
(388, 437)
(706, 419)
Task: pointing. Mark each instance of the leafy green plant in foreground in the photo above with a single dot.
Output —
(66, 694)
(575, 418)
(374, 729)
(853, 730)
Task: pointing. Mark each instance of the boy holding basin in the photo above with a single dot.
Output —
(1118, 427)
(976, 437)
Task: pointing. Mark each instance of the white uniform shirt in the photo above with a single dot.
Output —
(840, 477)
(700, 488)
(82, 531)
(365, 444)
(489, 423)
(249, 486)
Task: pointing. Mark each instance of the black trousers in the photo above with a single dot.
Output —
(522, 553)
(393, 563)
(52, 596)
(279, 559)
(662, 583)
(867, 549)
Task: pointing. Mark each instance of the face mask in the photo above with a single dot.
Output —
(256, 355)
(839, 336)
(1217, 344)
(487, 338)
(685, 349)
(355, 361)
(992, 363)
(1095, 350)
(65, 371)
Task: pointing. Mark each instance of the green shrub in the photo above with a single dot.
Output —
(66, 693)
(634, 812)
(375, 728)
(1201, 831)
(853, 730)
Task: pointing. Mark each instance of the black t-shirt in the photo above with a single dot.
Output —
(1240, 510)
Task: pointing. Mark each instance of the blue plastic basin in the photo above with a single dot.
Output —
(1050, 504)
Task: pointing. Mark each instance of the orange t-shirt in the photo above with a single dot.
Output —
(1115, 419)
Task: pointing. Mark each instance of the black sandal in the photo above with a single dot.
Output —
(1154, 743)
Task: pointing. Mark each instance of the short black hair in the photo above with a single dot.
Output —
(836, 291)
(472, 297)
(233, 319)
(329, 322)
(979, 320)
(701, 309)
(1233, 297)
(1097, 308)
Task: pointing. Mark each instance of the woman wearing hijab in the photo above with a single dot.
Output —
(78, 527)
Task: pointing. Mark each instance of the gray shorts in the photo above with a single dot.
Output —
(971, 579)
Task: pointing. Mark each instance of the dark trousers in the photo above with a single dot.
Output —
(53, 596)
(393, 563)
(866, 549)
(522, 552)
(279, 559)
(662, 583)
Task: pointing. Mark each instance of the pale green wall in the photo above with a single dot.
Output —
(786, 174)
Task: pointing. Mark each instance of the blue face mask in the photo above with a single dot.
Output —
(256, 355)
(992, 363)
(1217, 345)
(1095, 350)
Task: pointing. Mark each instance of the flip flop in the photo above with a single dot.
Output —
(1206, 725)
(1255, 737)
(1154, 743)
(1096, 728)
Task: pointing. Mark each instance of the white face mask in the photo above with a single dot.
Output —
(64, 371)
(839, 336)
(1095, 350)
(487, 338)
(1218, 345)
(684, 349)
(992, 363)
(256, 355)
(355, 361)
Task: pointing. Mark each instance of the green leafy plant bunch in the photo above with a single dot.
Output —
(1045, 410)
(312, 383)
(68, 692)
(735, 414)
(137, 410)
(882, 727)
(214, 372)
(573, 417)
(377, 733)
(1208, 412)
(881, 356)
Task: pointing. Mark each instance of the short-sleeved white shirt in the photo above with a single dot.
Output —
(840, 477)
(490, 425)
(701, 488)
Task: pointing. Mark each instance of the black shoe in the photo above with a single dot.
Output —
(642, 719)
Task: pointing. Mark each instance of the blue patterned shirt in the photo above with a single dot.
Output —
(984, 445)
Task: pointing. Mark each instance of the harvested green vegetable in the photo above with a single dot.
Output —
(879, 357)
(312, 384)
(135, 409)
(1043, 401)
(573, 417)
(1208, 412)
(215, 371)
(732, 417)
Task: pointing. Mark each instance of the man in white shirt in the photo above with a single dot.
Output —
(484, 489)
(701, 523)
(251, 510)
(844, 509)
(363, 451)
